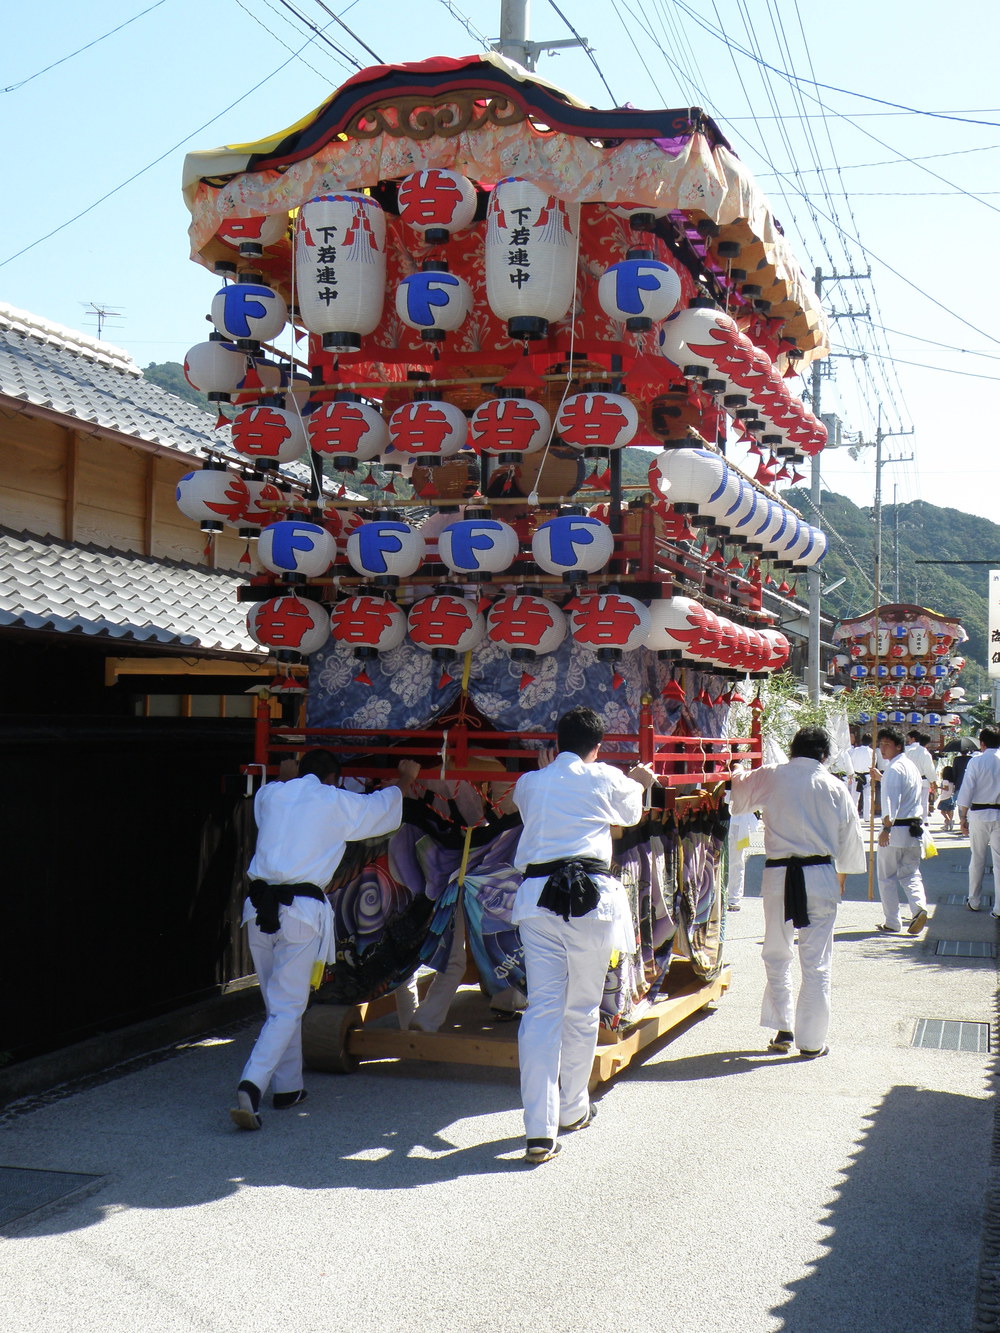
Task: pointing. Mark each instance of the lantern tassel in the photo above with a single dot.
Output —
(221, 420)
(526, 679)
(363, 677)
(245, 557)
(617, 680)
(445, 679)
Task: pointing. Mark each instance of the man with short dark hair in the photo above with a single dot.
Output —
(303, 828)
(917, 752)
(979, 816)
(900, 844)
(571, 914)
(812, 842)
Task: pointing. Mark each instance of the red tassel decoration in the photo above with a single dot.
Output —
(221, 420)
(526, 680)
(617, 680)
(245, 557)
(363, 677)
(444, 680)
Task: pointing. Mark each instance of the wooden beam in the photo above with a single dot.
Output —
(149, 510)
(181, 666)
(71, 485)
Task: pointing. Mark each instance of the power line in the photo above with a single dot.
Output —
(110, 33)
(892, 161)
(250, 14)
(321, 33)
(467, 24)
(587, 48)
(350, 31)
(990, 356)
(156, 160)
(945, 370)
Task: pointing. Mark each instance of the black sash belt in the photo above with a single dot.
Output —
(915, 825)
(569, 890)
(268, 897)
(988, 806)
(795, 884)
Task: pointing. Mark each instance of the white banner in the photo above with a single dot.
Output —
(993, 648)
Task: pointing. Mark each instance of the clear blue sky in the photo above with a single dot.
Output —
(180, 77)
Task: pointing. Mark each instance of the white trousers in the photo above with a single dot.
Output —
(899, 877)
(984, 834)
(284, 964)
(428, 1015)
(737, 869)
(808, 1016)
(566, 963)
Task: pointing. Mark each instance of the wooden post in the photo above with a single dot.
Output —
(647, 747)
(262, 731)
(71, 485)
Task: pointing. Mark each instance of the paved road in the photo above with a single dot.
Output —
(720, 1188)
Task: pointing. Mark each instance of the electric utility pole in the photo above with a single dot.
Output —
(815, 495)
(514, 43)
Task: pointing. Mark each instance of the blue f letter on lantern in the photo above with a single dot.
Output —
(568, 532)
(288, 538)
(632, 278)
(374, 540)
(424, 292)
(470, 536)
(243, 302)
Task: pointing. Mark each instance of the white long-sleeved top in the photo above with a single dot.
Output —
(901, 797)
(981, 785)
(303, 827)
(568, 809)
(807, 812)
(921, 759)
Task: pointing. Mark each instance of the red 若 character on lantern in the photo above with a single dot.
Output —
(361, 620)
(439, 621)
(338, 432)
(285, 626)
(520, 622)
(260, 432)
(430, 198)
(591, 420)
(420, 428)
(606, 622)
(505, 425)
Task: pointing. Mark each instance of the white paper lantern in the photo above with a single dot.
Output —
(340, 268)
(675, 623)
(697, 478)
(434, 302)
(368, 624)
(531, 241)
(266, 505)
(639, 291)
(212, 497)
(294, 547)
(608, 623)
(252, 236)
(269, 435)
(445, 625)
(293, 626)
(572, 544)
(641, 216)
(349, 429)
(437, 202)
(478, 546)
(701, 337)
(215, 368)
(248, 313)
(918, 641)
(597, 422)
(385, 550)
(263, 379)
(510, 426)
(526, 626)
(816, 550)
(428, 428)
(779, 648)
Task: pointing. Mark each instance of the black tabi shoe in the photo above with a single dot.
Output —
(281, 1101)
(541, 1150)
(781, 1043)
(245, 1114)
(582, 1123)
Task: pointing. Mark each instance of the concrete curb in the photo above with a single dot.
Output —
(98, 1054)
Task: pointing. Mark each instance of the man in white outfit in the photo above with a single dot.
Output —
(918, 754)
(303, 828)
(900, 839)
(571, 914)
(979, 816)
(812, 841)
(862, 758)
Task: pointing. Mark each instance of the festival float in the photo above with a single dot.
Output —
(492, 296)
(910, 656)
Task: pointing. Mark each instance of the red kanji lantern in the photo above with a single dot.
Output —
(526, 626)
(266, 504)
(215, 368)
(369, 624)
(350, 429)
(437, 202)
(597, 422)
(608, 623)
(705, 343)
(779, 648)
(340, 268)
(292, 547)
(428, 428)
(445, 625)
(674, 624)
(212, 497)
(269, 435)
(531, 240)
(510, 427)
(252, 236)
(293, 626)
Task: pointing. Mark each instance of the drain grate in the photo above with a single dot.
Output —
(958, 899)
(24, 1191)
(965, 949)
(951, 1034)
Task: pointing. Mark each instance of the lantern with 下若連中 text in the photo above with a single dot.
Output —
(531, 244)
(340, 268)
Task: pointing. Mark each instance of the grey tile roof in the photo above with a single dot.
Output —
(70, 373)
(48, 584)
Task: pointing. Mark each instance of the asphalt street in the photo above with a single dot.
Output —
(720, 1187)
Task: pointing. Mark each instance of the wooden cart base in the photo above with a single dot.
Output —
(335, 1039)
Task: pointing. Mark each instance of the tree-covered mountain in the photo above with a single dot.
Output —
(169, 375)
(925, 532)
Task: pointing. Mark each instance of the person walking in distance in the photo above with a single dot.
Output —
(916, 751)
(812, 842)
(303, 826)
(900, 839)
(979, 816)
(571, 913)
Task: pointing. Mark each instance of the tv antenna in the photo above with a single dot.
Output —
(103, 314)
